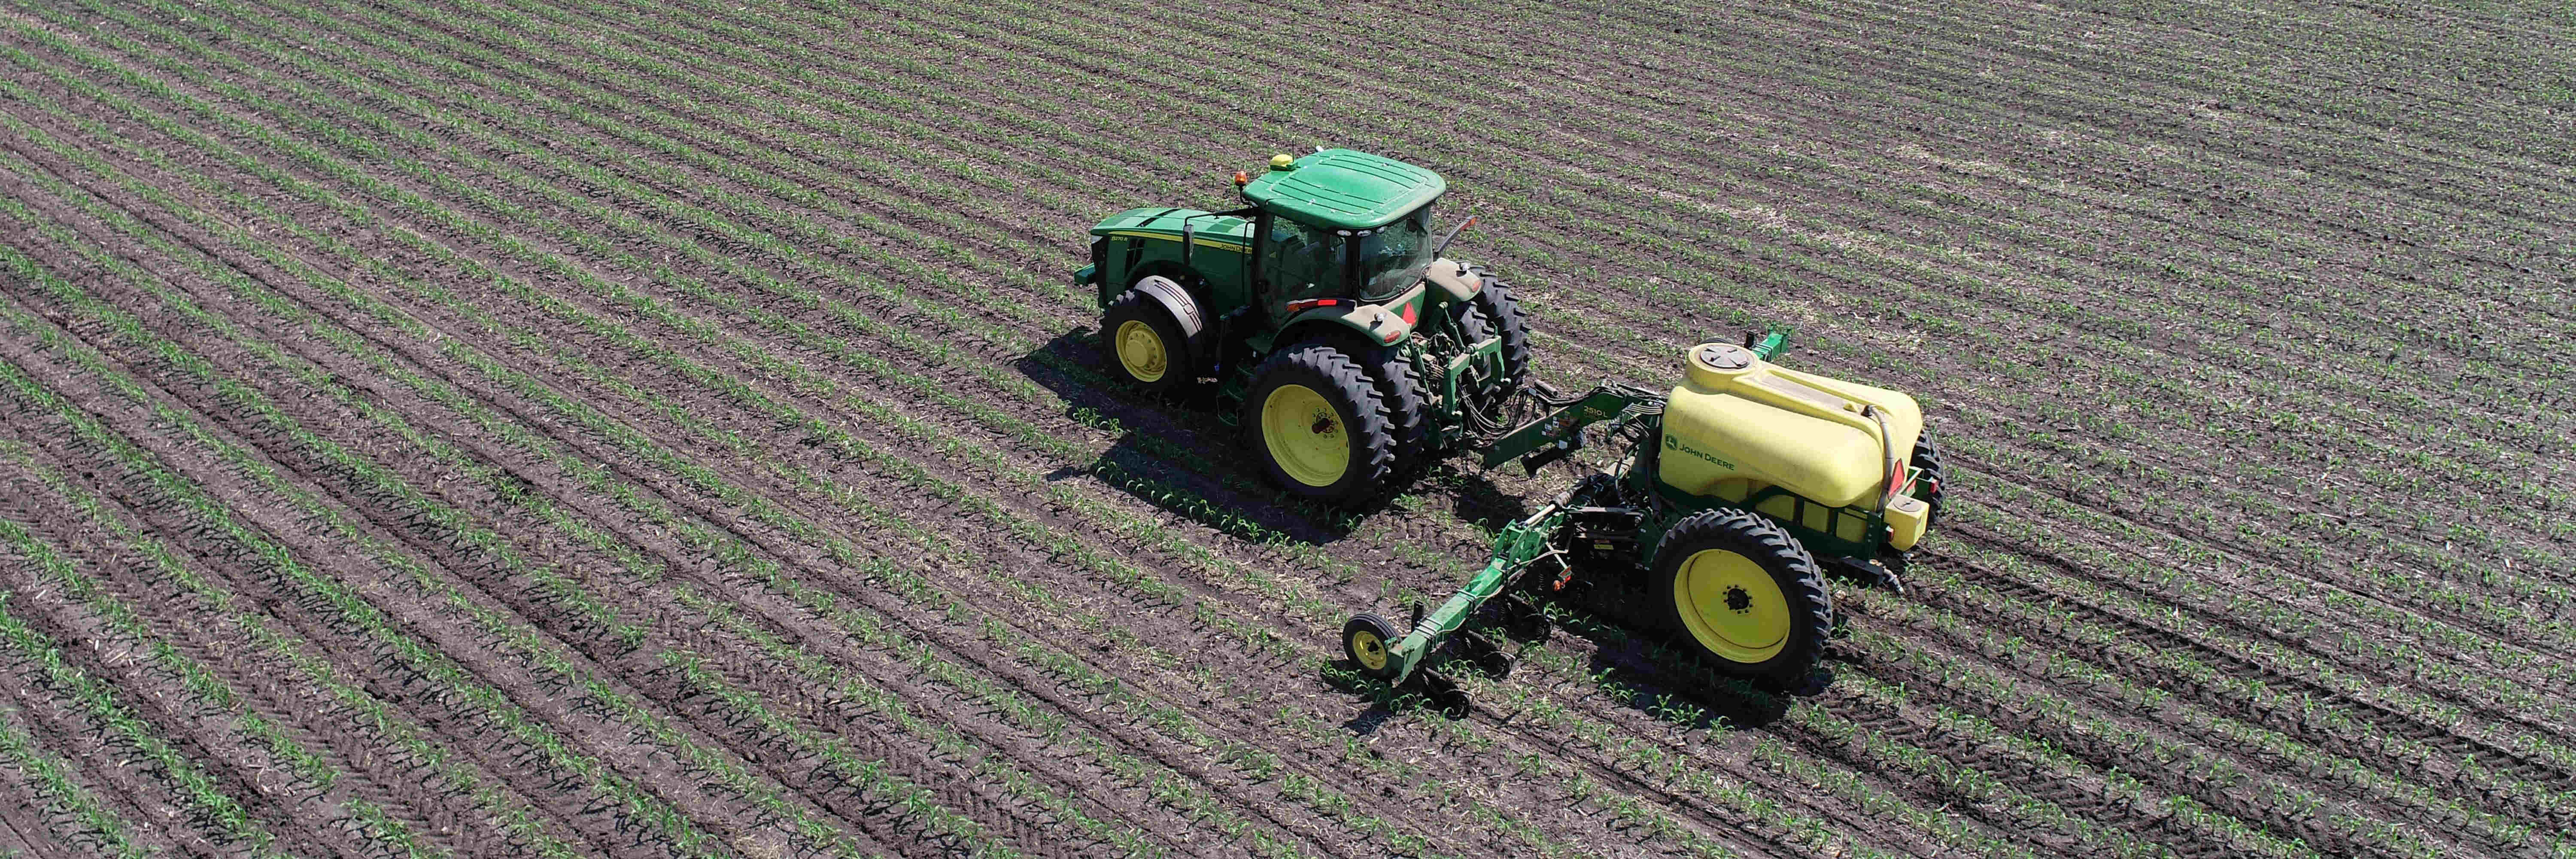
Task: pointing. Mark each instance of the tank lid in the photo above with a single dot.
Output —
(1722, 356)
(1710, 364)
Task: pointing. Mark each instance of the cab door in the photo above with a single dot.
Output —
(1299, 261)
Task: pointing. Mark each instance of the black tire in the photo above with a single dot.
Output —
(1399, 386)
(1503, 317)
(1366, 640)
(1727, 602)
(1927, 458)
(1491, 395)
(1179, 363)
(1356, 418)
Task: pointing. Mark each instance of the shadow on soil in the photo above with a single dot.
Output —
(1183, 452)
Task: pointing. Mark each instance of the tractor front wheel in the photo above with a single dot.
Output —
(1745, 593)
(1144, 344)
(1495, 313)
(1399, 386)
(1318, 425)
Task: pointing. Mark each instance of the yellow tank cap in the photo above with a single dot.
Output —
(1711, 364)
(1282, 162)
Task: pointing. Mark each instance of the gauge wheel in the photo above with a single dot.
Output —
(1369, 641)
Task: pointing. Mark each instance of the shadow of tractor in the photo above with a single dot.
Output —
(1184, 452)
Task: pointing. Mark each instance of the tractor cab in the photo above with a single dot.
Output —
(1339, 227)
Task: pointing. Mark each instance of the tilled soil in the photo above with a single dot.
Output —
(660, 429)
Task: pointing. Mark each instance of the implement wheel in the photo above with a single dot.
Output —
(1367, 639)
(1927, 488)
(1745, 593)
(1318, 425)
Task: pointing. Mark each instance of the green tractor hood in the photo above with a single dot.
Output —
(1164, 222)
(1344, 189)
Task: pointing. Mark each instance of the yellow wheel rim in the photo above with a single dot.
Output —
(1732, 606)
(1369, 649)
(1306, 435)
(1141, 351)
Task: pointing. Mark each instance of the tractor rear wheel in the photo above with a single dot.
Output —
(1318, 425)
(1503, 318)
(1927, 458)
(1399, 386)
(1144, 344)
(1745, 593)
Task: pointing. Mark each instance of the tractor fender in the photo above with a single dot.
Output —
(1454, 279)
(1176, 299)
(1369, 324)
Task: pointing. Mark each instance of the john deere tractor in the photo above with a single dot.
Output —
(1356, 350)
(1733, 493)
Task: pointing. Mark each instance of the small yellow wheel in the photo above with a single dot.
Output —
(1367, 639)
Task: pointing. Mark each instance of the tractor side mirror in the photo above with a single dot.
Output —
(1443, 247)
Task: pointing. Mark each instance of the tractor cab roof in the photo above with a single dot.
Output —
(1344, 189)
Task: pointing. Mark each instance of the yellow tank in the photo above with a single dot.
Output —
(1738, 424)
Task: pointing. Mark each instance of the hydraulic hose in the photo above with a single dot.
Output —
(1886, 449)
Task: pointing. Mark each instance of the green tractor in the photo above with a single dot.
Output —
(1356, 350)
(1734, 494)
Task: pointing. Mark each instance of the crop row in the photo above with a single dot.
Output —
(75, 812)
(313, 773)
(467, 533)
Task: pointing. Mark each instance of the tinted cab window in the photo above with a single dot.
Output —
(1302, 261)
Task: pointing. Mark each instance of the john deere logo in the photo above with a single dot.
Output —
(1674, 442)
